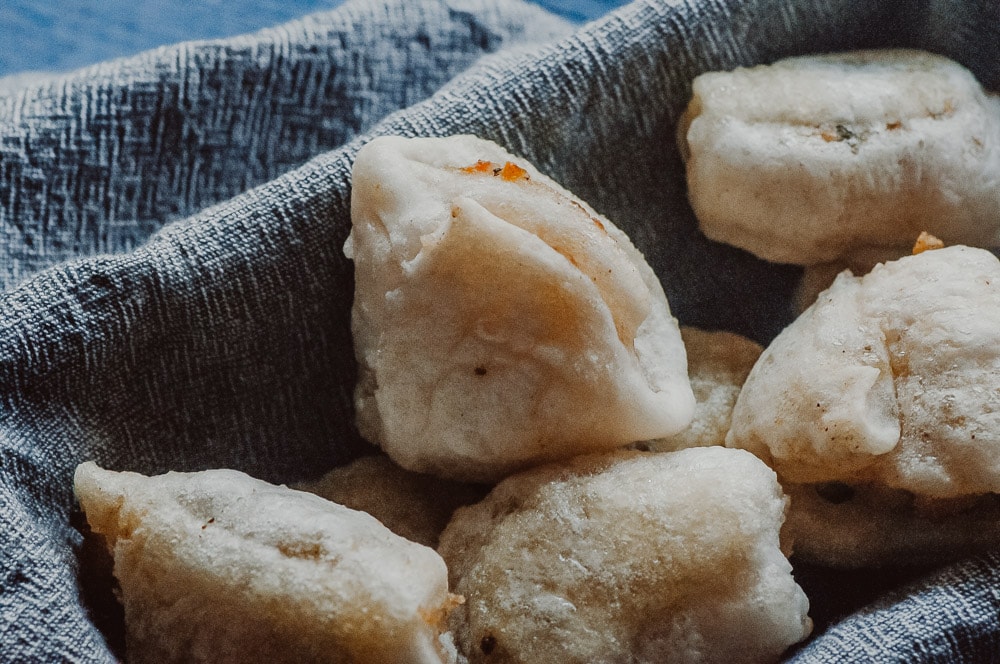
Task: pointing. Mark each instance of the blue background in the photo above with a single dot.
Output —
(58, 35)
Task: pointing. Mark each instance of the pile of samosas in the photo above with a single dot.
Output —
(570, 476)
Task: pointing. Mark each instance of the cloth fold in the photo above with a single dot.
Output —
(223, 340)
(97, 160)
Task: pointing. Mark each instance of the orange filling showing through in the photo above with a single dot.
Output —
(510, 171)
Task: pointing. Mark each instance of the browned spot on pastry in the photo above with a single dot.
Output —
(479, 167)
(926, 242)
(511, 172)
(307, 550)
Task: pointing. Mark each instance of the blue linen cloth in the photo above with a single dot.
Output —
(175, 295)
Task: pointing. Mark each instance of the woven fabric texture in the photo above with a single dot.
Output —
(221, 338)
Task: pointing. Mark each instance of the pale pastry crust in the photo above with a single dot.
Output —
(498, 321)
(219, 567)
(868, 525)
(627, 557)
(889, 384)
(814, 159)
(412, 505)
(718, 364)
